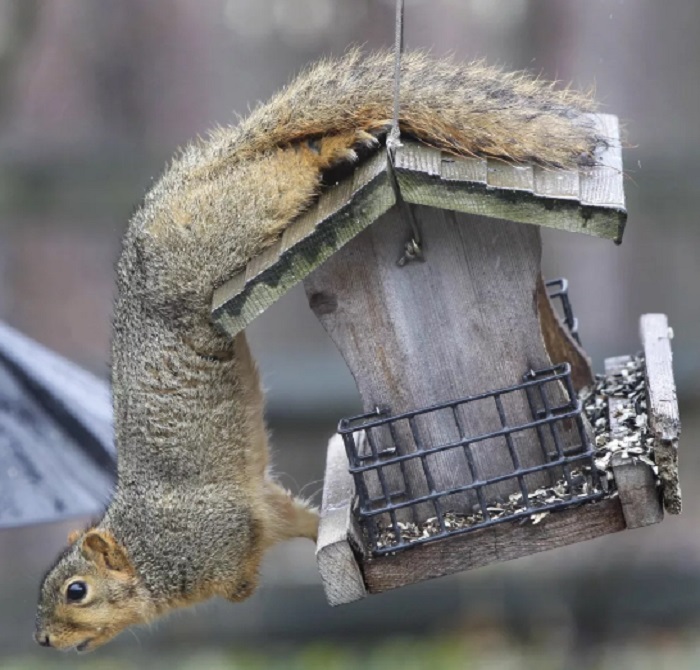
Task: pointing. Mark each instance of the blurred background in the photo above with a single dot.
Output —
(94, 97)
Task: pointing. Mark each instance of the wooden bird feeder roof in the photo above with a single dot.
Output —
(587, 200)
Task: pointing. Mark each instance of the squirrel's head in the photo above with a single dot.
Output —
(90, 595)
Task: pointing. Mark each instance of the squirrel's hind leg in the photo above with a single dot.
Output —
(298, 171)
(290, 516)
(346, 147)
(338, 155)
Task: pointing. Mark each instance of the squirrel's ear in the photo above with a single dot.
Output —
(74, 535)
(103, 549)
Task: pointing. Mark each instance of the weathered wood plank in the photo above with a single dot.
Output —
(414, 157)
(602, 185)
(502, 542)
(664, 421)
(451, 315)
(560, 344)
(339, 539)
(510, 177)
(340, 214)
(634, 479)
(262, 262)
(639, 494)
(560, 184)
(589, 200)
(474, 170)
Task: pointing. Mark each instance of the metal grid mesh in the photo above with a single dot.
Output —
(380, 451)
(559, 289)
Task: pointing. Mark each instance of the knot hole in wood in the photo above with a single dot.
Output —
(322, 302)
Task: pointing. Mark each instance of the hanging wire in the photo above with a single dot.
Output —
(412, 249)
(393, 140)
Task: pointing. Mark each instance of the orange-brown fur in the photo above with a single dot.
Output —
(195, 505)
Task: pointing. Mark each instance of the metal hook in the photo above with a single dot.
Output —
(412, 251)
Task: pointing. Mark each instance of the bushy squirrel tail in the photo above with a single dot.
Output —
(466, 109)
(224, 199)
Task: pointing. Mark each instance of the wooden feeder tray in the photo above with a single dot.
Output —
(371, 445)
(626, 492)
(470, 377)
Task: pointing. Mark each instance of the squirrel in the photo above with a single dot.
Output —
(195, 505)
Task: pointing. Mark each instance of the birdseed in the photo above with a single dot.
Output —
(631, 439)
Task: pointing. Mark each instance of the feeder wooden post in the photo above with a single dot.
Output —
(339, 539)
(664, 421)
(349, 574)
(462, 322)
(634, 479)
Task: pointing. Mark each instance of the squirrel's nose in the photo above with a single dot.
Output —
(42, 638)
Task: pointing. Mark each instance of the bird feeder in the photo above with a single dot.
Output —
(485, 435)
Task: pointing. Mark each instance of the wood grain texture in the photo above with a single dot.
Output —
(588, 200)
(510, 177)
(502, 542)
(602, 185)
(635, 480)
(664, 421)
(473, 170)
(559, 184)
(344, 211)
(339, 540)
(560, 344)
(461, 323)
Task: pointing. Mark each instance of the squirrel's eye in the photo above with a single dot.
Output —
(76, 591)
